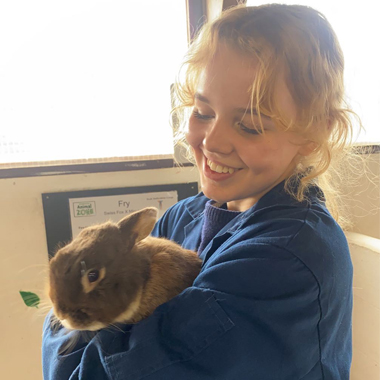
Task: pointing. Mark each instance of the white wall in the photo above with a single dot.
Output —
(24, 259)
(23, 249)
(365, 254)
(364, 201)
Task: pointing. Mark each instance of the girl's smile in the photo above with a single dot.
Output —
(217, 171)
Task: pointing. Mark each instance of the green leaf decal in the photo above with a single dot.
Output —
(30, 299)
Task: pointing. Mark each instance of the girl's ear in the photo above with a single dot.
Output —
(307, 148)
(138, 225)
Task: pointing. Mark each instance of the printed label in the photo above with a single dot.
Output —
(82, 209)
(83, 212)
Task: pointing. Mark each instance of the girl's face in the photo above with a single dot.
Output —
(237, 165)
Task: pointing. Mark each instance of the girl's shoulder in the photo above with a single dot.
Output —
(186, 209)
(172, 224)
(194, 205)
(307, 235)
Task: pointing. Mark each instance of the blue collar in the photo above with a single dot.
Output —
(276, 196)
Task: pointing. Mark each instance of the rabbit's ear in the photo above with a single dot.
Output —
(138, 225)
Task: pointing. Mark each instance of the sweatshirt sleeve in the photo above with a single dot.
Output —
(253, 312)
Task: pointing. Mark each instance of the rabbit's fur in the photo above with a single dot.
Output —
(115, 272)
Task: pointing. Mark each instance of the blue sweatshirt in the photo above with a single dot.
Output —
(273, 301)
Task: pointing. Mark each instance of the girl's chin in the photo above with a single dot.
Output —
(218, 196)
(235, 201)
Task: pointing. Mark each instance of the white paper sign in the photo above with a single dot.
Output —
(87, 211)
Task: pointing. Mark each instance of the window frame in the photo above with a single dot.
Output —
(104, 167)
(194, 10)
(196, 14)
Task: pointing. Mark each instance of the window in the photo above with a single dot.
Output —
(357, 28)
(89, 79)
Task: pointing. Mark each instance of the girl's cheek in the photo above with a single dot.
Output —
(188, 138)
(191, 139)
(257, 155)
(193, 134)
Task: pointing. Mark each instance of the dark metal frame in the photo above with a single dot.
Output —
(40, 171)
(57, 212)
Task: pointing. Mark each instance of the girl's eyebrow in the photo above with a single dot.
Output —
(201, 98)
(242, 110)
(253, 110)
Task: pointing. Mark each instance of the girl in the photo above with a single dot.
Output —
(274, 297)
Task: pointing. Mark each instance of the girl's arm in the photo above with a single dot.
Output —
(245, 317)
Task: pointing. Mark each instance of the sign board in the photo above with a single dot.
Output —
(67, 213)
(87, 211)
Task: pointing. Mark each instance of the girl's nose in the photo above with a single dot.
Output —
(218, 138)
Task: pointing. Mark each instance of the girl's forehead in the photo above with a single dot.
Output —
(228, 69)
(229, 62)
(228, 77)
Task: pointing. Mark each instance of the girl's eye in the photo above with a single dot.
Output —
(200, 116)
(252, 131)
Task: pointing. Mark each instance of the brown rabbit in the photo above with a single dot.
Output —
(114, 273)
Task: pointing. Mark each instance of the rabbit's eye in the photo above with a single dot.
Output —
(93, 275)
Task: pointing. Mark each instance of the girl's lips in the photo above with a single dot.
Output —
(214, 175)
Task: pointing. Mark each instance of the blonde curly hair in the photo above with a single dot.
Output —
(298, 43)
